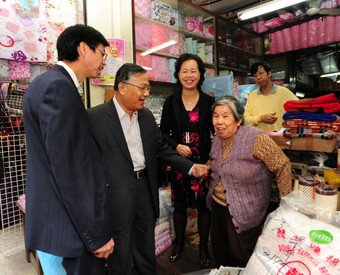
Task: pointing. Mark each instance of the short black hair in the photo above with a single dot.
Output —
(254, 67)
(126, 71)
(185, 57)
(69, 40)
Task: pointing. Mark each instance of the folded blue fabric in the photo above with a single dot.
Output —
(310, 116)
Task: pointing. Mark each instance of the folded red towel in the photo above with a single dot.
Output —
(326, 103)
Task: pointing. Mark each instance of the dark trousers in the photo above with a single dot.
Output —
(134, 251)
(87, 264)
(230, 248)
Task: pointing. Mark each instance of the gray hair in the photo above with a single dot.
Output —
(234, 105)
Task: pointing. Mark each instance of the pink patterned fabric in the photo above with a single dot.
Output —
(159, 35)
(143, 35)
(261, 26)
(144, 61)
(208, 30)
(255, 26)
(272, 44)
(23, 31)
(329, 29)
(142, 8)
(313, 33)
(18, 70)
(274, 22)
(60, 15)
(194, 24)
(295, 31)
(160, 68)
(4, 68)
(287, 38)
(181, 46)
(163, 247)
(279, 42)
(337, 29)
(161, 235)
(304, 35)
(321, 31)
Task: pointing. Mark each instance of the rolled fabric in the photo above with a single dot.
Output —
(295, 31)
(272, 44)
(327, 197)
(164, 246)
(161, 235)
(287, 37)
(279, 42)
(321, 31)
(162, 227)
(313, 33)
(329, 29)
(304, 35)
(337, 29)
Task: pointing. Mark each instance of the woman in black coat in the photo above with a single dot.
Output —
(186, 124)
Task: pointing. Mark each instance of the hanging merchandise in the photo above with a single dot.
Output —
(115, 59)
(23, 35)
(60, 15)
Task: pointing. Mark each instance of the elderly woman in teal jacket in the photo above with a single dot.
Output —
(243, 162)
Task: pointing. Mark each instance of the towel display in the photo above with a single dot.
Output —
(142, 8)
(326, 103)
(303, 117)
(305, 132)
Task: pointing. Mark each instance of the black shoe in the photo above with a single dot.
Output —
(175, 253)
(204, 258)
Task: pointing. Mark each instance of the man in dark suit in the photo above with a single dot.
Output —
(65, 183)
(132, 141)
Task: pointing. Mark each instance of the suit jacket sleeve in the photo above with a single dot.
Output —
(72, 153)
(169, 155)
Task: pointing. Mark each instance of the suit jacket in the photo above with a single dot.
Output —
(105, 125)
(171, 122)
(65, 184)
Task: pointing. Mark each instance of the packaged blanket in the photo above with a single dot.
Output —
(293, 242)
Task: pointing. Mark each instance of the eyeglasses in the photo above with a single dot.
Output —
(142, 89)
(104, 54)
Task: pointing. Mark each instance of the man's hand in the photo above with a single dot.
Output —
(184, 150)
(105, 250)
(200, 170)
(269, 118)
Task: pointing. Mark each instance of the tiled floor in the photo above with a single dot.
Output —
(12, 254)
(13, 258)
(16, 264)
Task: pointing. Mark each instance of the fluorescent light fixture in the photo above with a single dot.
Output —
(330, 74)
(159, 47)
(300, 94)
(266, 8)
(147, 68)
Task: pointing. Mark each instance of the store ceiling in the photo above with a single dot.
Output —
(222, 7)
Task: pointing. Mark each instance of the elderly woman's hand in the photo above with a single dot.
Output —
(184, 150)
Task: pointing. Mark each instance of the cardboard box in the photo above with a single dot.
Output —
(313, 144)
(281, 141)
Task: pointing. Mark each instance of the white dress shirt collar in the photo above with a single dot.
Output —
(70, 71)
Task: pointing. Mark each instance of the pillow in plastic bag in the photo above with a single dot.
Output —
(219, 86)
